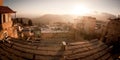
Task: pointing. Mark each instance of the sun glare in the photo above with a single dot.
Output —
(80, 10)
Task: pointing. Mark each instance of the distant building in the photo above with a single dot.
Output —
(86, 23)
(100, 25)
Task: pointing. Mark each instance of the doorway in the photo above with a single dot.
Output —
(0, 21)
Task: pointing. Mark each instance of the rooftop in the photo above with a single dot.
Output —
(5, 9)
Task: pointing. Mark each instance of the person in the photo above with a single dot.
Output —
(64, 45)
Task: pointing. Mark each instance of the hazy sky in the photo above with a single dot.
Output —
(39, 7)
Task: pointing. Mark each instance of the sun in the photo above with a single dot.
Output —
(80, 9)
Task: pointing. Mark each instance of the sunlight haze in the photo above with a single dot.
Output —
(79, 7)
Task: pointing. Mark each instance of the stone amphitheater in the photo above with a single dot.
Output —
(85, 50)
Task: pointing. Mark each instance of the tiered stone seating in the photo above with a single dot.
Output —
(23, 50)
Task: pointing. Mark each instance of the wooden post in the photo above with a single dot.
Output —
(64, 48)
(64, 45)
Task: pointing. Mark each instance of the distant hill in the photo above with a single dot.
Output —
(51, 18)
(103, 16)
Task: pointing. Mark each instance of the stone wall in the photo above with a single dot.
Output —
(45, 36)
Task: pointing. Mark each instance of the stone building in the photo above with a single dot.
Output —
(5, 17)
(6, 23)
(86, 23)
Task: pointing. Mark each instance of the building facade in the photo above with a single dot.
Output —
(86, 23)
(6, 22)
